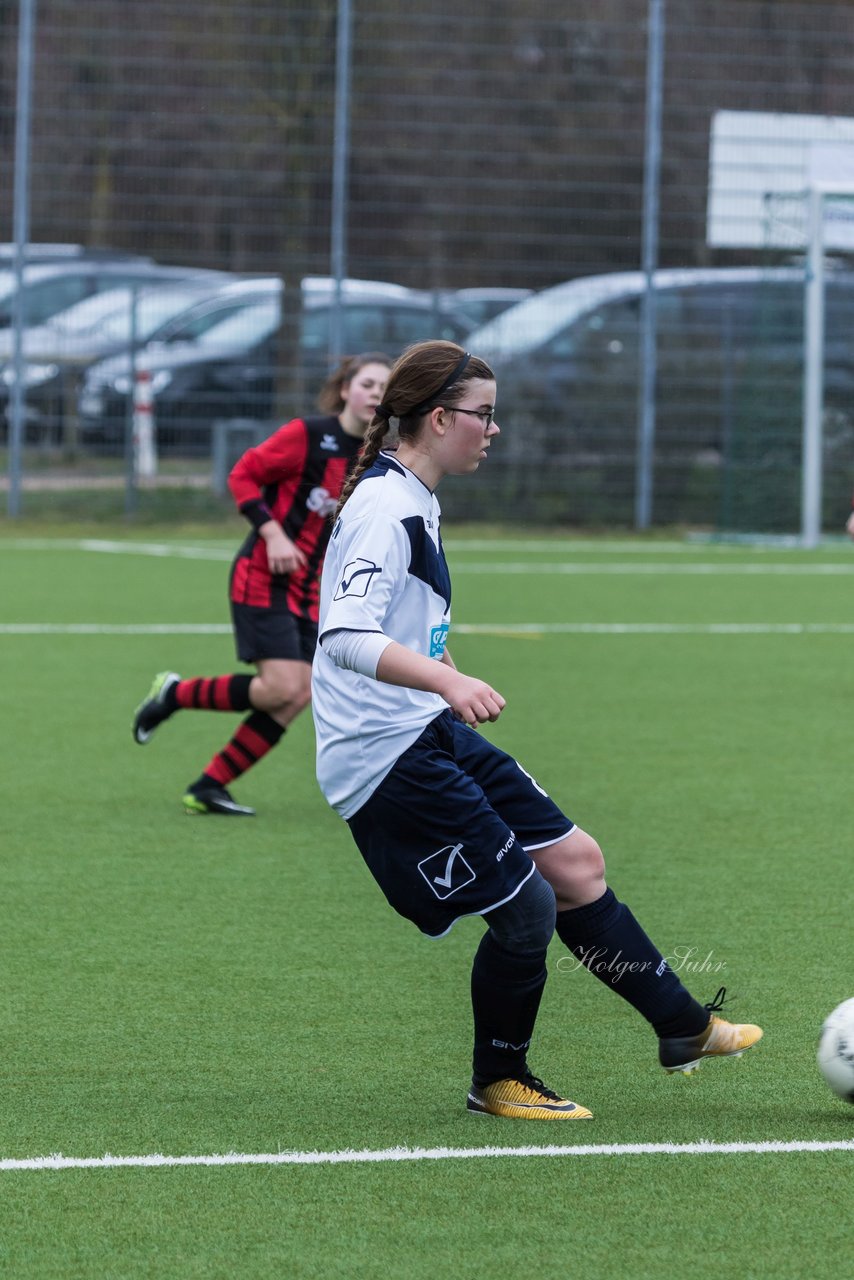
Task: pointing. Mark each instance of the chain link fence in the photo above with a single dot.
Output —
(496, 157)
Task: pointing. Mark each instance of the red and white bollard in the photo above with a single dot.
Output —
(144, 435)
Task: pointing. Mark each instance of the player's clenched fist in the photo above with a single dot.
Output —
(472, 700)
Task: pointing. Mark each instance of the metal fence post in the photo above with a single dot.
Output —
(649, 353)
(21, 233)
(813, 392)
(340, 158)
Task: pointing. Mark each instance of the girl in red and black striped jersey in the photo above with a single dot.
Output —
(287, 488)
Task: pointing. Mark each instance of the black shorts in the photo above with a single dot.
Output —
(272, 633)
(449, 830)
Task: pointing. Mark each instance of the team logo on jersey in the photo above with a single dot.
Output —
(320, 501)
(446, 871)
(356, 578)
(438, 637)
(329, 443)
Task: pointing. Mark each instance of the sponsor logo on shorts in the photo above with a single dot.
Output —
(446, 871)
(505, 848)
(438, 639)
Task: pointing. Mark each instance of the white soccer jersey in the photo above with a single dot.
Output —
(384, 571)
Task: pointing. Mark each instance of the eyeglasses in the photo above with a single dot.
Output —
(487, 416)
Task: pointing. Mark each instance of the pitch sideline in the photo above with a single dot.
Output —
(504, 629)
(60, 1162)
(560, 567)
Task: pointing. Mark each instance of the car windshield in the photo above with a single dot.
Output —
(532, 322)
(153, 308)
(247, 326)
(34, 274)
(89, 312)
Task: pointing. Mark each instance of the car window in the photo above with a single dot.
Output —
(314, 329)
(124, 279)
(90, 312)
(153, 309)
(44, 298)
(364, 328)
(607, 330)
(839, 314)
(191, 328)
(247, 326)
(414, 324)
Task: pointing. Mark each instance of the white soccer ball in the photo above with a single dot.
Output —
(836, 1050)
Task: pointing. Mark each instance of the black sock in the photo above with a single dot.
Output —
(505, 993)
(609, 942)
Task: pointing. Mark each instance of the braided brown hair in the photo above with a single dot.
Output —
(420, 380)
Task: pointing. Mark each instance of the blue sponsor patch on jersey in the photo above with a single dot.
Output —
(438, 639)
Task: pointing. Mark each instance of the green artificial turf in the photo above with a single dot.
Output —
(183, 985)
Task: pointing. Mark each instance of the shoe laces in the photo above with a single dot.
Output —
(715, 1006)
(535, 1084)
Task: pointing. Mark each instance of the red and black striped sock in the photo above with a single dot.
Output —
(258, 734)
(213, 693)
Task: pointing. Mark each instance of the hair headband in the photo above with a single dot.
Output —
(449, 382)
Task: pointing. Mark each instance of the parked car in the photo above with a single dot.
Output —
(51, 287)
(575, 348)
(218, 361)
(222, 360)
(729, 372)
(377, 316)
(34, 252)
(56, 352)
(483, 304)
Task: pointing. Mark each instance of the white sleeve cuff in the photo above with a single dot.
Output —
(355, 650)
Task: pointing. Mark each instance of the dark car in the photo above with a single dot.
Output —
(56, 352)
(223, 359)
(376, 315)
(215, 361)
(479, 305)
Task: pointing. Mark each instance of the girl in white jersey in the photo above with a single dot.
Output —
(448, 824)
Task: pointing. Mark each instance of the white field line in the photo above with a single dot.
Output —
(108, 547)
(391, 1154)
(522, 629)
(697, 569)
(221, 554)
(563, 546)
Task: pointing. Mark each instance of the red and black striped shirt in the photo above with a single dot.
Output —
(295, 477)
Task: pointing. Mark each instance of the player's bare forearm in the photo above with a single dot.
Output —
(471, 700)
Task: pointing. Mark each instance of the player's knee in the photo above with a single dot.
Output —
(591, 860)
(526, 923)
(285, 694)
(574, 867)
